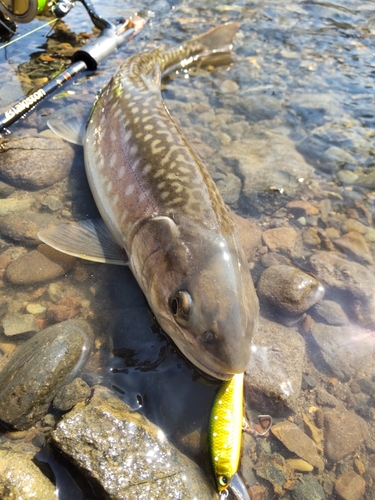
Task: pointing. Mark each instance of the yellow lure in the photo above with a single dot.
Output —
(225, 430)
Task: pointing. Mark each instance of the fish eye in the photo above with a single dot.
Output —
(223, 481)
(181, 305)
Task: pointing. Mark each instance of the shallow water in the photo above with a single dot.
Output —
(302, 99)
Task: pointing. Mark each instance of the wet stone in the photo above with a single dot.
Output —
(230, 188)
(138, 461)
(6, 190)
(36, 370)
(297, 442)
(344, 431)
(20, 478)
(228, 87)
(289, 290)
(71, 394)
(53, 203)
(350, 486)
(260, 107)
(274, 259)
(330, 312)
(354, 244)
(37, 266)
(17, 325)
(274, 376)
(24, 228)
(13, 205)
(355, 280)
(249, 234)
(344, 348)
(308, 488)
(275, 469)
(281, 239)
(20, 157)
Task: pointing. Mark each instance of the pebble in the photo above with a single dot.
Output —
(13, 205)
(249, 234)
(344, 431)
(279, 352)
(24, 228)
(281, 239)
(289, 290)
(274, 259)
(55, 292)
(310, 236)
(260, 107)
(5, 260)
(230, 188)
(344, 348)
(347, 176)
(308, 488)
(36, 370)
(66, 308)
(20, 478)
(299, 465)
(71, 394)
(139, 462)
(38, 266)
(355, 225)
(275, 469)
(17, 325)
(329, 312)
(350, 486)
(53, 203)
(354, 244)
(6, 190)
(34, 308)
(18, 158)
(300, 207)
(297, 442)
(228, 87)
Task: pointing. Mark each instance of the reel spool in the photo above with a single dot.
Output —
(23, 11)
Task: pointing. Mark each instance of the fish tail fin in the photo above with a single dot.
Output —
(212, 47)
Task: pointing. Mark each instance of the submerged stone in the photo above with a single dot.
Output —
(36, 370)
(24, 228)
(17, 325)
(127, 456)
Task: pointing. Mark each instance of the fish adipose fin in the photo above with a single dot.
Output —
(89, 239)
(72, 130)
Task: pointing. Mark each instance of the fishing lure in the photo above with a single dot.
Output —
(225, 430)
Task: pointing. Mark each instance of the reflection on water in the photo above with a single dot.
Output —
(287, 132)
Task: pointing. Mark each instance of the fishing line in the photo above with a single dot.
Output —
(28, 33)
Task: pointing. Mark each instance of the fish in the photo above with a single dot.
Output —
(159, 204)
(225, 430)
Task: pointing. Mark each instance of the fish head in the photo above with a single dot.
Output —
(198, 284)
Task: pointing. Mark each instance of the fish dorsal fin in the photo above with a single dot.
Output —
(89, 239)
(153, 78)
(72, 130)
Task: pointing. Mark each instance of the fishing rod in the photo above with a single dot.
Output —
(87, 58)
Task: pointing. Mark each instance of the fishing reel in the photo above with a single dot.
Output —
(25, 11)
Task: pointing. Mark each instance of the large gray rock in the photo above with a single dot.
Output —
(36, 370)
(20, 478)
(125, 454)
(346, 349)
(352, 283)
(274, 376)
(30, 162)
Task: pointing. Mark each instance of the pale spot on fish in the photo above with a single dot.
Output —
(147, 137)
(147, 169)
(117, 113)
(123, 216)
(129, 190)
(133, 149)
(161, 185)
(149, 127)
(135, 110)
(112, 161)
(146, 119)
(115, 199)
(145, 111)
(159, 173)
(164, 195)
(136, 119)
(139, 135)
(121, 172)
(113, 135)
(109, 186)
(127, 135)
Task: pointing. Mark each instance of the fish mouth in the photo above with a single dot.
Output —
(197, 362)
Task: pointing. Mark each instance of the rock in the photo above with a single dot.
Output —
(289, 290)
(347, 176)
(36, 370)
(310, 236)
(344, 431)
(55, 292)
(338, 158)
(66, 308)
(344, 348)
(260, 107)
(30, 162)
(324, 398)
(267, 164)
(24, 228)
(16, 325)
(5, 260)
(6, 190)
(249, 233)
(308, 488)
(13, 205)
(274, 259)
(354, 282)
(20, 478)
(35, 308)
(53, 203)
(71, 394)
(228, 87)
(276, 470)
(300, 207)
(354, 244)
(329, 312)
(230, 188)
(299, 465)
(350, 486)
(297, 442)
(43, 264)
(281, 239)
(139, 463)
(274, 376)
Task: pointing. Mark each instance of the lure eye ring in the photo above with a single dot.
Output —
(223, 481)
(180, 305)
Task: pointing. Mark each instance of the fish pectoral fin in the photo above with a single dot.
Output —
(153, 79)
(89, 239)
(72, 130)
